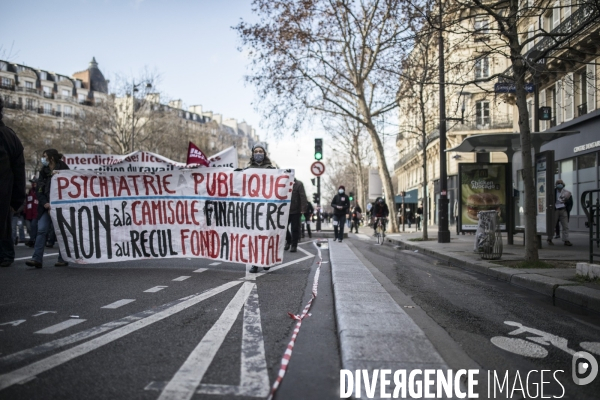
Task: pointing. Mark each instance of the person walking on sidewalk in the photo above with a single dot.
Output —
(259, 159)
(379, 210)
(419, 216)
(563, 203)
(12, 182)
(356, 216)
(308, 215)
(52, 163)
(341, 205)
(297, 208)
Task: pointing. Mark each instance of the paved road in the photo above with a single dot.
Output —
(461, 311)
(154, 329)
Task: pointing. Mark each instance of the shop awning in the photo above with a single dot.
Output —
(412, 197)
(505, 142)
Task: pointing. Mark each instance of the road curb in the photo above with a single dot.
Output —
(559, 289)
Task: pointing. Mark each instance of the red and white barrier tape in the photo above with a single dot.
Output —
(290, 347)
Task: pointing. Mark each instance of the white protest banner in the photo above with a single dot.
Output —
(217, 213)
(143, 161)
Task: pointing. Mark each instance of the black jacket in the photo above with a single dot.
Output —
(355, 212)
(340, 200)
(43, 185)
(12, 177)
(310, 210)
(298, 203)
(380, 210)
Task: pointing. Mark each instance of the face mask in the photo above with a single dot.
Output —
(45, 161)
(259, 157)
(560, 186)
(341, 191)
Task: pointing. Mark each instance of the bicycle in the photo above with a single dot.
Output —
(380, 229)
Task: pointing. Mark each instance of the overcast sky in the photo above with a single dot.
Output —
(189, 43)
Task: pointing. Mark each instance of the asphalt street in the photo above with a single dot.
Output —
(155, 329)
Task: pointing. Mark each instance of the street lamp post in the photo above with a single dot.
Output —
(135, 89)
(443, 231)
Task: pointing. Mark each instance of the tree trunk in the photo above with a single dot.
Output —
(531, 250)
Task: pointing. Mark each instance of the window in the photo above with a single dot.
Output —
(482, 68)
(530, 112)
(43, 75)
(482, 116)
(530, 32)
(78, 84)
(6, 82)
(591, 87)
(58, 108)
(543, 126)
(68, 110)
(81, 98)
(556, 15)
(558, 106)
(3, 66)
(569, 102)
(47, 108)
(66, 92)
(482, 25)
(29, 105)
(29, 85)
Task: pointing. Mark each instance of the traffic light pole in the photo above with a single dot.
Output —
(319, 203)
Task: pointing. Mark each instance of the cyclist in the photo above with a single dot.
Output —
(379, 210)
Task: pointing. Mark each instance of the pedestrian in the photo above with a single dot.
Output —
(563, 203)
(51, 164)
(379, 210)
(31, 207)
(18, 226)
(297, 209)
(259, 159)
(409, 217)
(12, 182)
(341, 205)
(308, 216)
(419, 216)
(356, 217)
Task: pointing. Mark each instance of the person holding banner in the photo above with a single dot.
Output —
(12, 181)
(259, 159)
(297, 208)
(52, 163)
(341, 206)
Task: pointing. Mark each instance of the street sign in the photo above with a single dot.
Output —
(511, 88)
(317, 168)
(545, 113)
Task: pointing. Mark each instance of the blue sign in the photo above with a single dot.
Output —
(511, 88)
(411, 197)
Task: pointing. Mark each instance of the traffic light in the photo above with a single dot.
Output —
(315, 198)
(318, 149)
(351, 196)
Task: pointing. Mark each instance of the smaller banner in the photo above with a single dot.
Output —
(216, 213)
(482, 188)
(196, 156)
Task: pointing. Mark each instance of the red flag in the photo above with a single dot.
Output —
(196, 156)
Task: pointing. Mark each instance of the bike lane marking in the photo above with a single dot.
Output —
(36, 368)
(61, 326)
(118, 303)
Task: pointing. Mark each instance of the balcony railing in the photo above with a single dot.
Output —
(581, 109)
(7, 87)
(48, 95)
(56, 113)
(30, 107)
(68, 115)
(476, 124)
(581, 17)
(13, 106)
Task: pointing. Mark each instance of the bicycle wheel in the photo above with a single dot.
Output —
(379, 232)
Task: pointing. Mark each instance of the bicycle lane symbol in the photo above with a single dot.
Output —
(532, 347)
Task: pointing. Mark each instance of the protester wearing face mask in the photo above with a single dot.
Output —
(563, 203)
(341, 206)
(52, 163)
(259, 159)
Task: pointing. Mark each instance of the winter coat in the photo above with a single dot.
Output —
(340, 200)
(31, 205)
(380, 210)
(357, 210)
(12, 178)
(298, 203)
(310, 210)
(43, 186)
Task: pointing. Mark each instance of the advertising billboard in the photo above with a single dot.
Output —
(483, 187)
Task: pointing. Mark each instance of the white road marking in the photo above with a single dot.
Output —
(55, 360)
(43, 312)
(118, 303)
(215, 263)
(14, 323)
(185, 381)
(61, 326)
(181, 278)
(201, 270)
(252, 277)
(29, 258)
(155, 289)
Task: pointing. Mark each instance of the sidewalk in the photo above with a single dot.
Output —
(559, 283)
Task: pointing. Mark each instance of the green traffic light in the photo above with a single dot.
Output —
(318, 156)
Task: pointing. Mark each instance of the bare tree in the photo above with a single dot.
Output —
(332, 57)
(538, 49)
